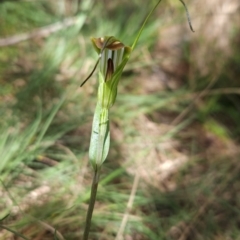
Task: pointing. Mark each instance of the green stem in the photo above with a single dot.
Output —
(91, 203)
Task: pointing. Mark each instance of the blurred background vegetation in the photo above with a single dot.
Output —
(173, 168)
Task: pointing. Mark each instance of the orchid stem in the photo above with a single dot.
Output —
(91, 203)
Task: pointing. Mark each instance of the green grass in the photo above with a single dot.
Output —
(46, 117)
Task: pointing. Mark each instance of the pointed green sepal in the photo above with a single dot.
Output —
(112, 64)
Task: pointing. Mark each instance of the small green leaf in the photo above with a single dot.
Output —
(100, 137)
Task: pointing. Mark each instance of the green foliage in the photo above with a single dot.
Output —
(46, 122)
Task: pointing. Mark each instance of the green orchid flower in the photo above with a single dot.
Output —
(113, 56)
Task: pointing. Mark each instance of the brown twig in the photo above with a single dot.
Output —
(129, 207)
(39, 32)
